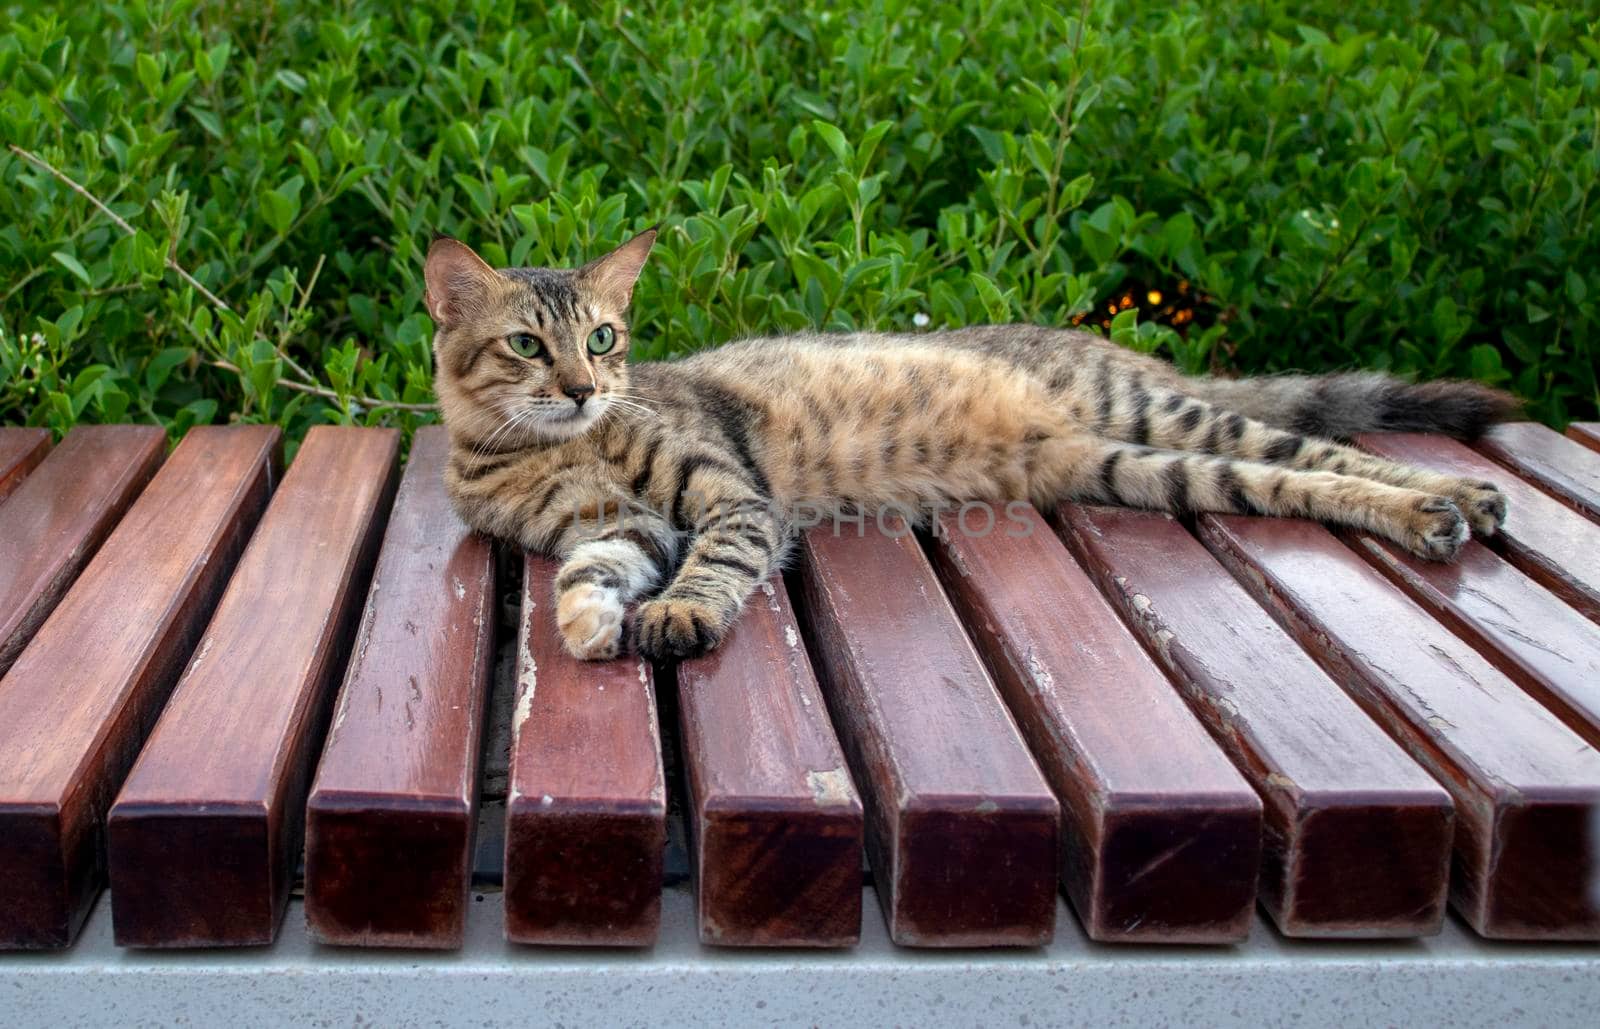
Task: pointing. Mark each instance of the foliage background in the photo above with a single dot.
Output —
(1303, 185)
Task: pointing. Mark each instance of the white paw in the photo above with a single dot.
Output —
(590, 620)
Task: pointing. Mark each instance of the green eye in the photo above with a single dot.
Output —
(602, 340)
(524, 344)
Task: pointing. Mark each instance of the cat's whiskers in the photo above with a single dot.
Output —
(516, 417)
(623, 405)
(631, 403)
(634, 395)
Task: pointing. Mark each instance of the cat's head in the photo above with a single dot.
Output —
(527, 355)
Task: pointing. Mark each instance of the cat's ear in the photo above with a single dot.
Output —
(613, 275)
(457, 280)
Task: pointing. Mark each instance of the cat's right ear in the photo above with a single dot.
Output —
(457, 280)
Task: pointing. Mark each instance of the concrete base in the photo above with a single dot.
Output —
(1453, 979)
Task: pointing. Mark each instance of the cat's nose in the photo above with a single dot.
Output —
(579, 393)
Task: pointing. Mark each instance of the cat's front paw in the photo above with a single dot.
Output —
(1482, 503)
(1436, 529)
(668, 628)
(590, 620)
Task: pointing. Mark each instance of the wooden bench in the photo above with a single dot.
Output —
(1162, 725)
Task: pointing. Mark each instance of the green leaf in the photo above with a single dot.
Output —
(1486, 364)
(279, 209)
(207, 120)
(1577, 289)
(833, 139)
(162, 364)
(1125, 328)
(995, 305)
(148, 70)
(71, 264)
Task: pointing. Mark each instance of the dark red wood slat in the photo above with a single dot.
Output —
(1561, 467)
(399, 774)
(206, 833)
(1545, 646)
(1545, 538)
(21, 450)
(961, 826)
(55, 520)
(1150, 805)
(1357, 835)
(72, 717)
(1587, 433)
(776, 819)
(1526, 788)
(586, 809)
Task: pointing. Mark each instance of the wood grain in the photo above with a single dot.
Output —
(962, 829)
(1150, 806)
(1563, 468)
(55, 520)
(1546, 647)
(1357, 836)
(73, 717)
(206, 833)
(776, 821)
(391, 816)
(586, 809)
(21, 450)
(1542, 536)
(1525, 786)
(1587, 433)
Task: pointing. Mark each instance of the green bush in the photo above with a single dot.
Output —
(1307, 185)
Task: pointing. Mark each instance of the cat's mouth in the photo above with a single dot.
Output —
(571, 420)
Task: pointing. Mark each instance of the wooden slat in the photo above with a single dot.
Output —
(72, 717)
(962, 829)
(1357, 835)
(776, 820)
(1545, 538)
(399, 774)
(1150, 805)
(1564, 468)
(205, 835)
(1545, 646)
(21, 450)
(586, 808)
(1587, 433)
(55, 520)
(1525, 786)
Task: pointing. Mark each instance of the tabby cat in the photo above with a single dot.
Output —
(685, 474)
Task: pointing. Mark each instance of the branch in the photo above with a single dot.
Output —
(308, 386)
(323, 391)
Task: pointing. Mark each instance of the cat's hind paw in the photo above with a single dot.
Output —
(1436, 530)
(1483, 505)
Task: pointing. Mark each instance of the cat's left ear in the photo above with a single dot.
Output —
(613, 275)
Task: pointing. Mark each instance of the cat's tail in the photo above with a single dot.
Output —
(1344, 404)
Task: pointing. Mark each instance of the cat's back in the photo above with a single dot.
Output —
(1027, 347)
(860, 366)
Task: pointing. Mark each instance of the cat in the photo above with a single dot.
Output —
(671, 485)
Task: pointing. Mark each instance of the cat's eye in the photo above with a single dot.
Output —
(525, 344)
(602, 340)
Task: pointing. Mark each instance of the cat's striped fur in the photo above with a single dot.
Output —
(708, 455)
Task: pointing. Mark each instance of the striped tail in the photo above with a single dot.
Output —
(1343, 404)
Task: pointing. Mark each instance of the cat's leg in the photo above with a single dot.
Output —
(739, 541)
(610, 562)
(1090, 469)
(1169, 419)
